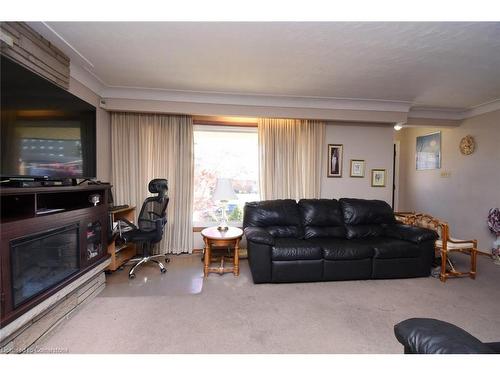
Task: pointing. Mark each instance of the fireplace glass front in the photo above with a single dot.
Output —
(41, 261)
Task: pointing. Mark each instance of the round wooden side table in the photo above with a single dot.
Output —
(215, 238)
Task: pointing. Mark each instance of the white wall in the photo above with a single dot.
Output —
(103, 129)
(372, 143)
(473, 186)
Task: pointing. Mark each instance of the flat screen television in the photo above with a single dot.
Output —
(46, 132)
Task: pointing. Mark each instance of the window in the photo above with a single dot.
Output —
(224, 152)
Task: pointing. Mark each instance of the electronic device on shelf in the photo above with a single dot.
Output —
(95, 199)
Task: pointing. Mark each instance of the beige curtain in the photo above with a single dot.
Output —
(290, 158)
(147, 146)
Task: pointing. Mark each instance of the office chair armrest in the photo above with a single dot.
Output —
(126, 222)
(162, 220)
(160, 223)
(154, 214)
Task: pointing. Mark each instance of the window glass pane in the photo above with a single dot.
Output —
(224, 152)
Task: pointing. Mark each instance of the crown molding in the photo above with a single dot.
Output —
(296, 102)
(87, 78)
(483, 108)
(210, 109)
(205, 97)
(453, 114)
(431, 123)
(437, 113)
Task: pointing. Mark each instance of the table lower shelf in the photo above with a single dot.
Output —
(222, 268)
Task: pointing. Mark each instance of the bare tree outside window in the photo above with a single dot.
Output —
(224, 152)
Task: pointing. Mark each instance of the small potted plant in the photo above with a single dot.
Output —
(494, 225)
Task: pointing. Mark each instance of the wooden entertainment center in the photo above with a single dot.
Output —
(31, 221)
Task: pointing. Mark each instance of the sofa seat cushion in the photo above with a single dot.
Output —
(387, 248)
(342, 249)
(294, 249)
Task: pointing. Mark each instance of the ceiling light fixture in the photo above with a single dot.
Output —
(398, 126)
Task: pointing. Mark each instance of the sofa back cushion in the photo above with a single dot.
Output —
(280, 217)
(321, 218)
(365, 218)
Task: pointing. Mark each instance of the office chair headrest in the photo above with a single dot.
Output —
(158, 185)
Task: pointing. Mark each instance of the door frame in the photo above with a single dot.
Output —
(395, 178)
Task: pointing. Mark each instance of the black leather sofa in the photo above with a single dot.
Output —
(432, 336)
(329, 239)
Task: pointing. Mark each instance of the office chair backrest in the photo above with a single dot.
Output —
(154, 208)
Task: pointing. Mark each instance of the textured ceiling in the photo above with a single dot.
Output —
(428, 64)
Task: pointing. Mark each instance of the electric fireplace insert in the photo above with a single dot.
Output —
(41, 261)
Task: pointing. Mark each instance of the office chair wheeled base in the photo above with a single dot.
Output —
(143, 260)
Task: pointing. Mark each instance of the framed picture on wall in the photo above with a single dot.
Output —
(357, 168)
(334, 161)
(378, 177)
(428, 151)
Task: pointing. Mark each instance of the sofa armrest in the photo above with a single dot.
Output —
(432, 336)
(259, 235)
(259, 248)
(495, 346)
(410, 233)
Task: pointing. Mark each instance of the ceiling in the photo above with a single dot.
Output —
(452, 65)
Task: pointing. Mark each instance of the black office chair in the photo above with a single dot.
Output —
(150, 226)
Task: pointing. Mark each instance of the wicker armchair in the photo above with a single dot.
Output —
(445, 244)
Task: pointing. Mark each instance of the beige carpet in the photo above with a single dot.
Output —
(179, 312)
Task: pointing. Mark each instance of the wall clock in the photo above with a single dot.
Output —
(467, 145)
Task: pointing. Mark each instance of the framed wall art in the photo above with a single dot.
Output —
(357, 168)
(378, 177)
(334, 161)
(428, 151)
